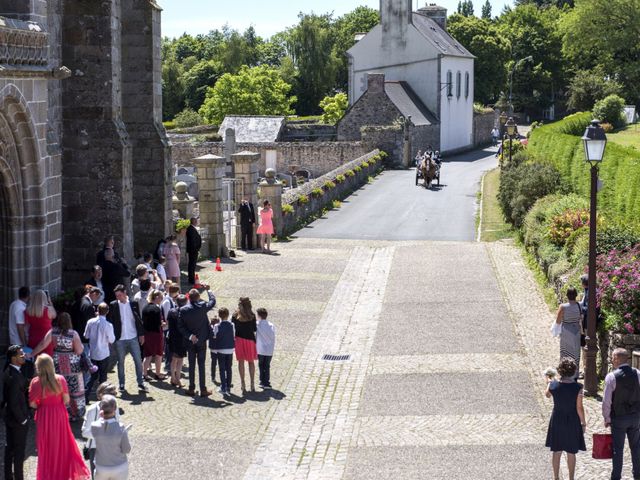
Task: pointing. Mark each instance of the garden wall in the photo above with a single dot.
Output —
(559, 143)
(306, 204)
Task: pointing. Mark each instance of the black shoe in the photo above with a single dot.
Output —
(143, 388)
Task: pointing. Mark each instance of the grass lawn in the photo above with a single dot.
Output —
(628, 136)
(493, 225)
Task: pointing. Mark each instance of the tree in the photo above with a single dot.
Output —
(605, 33)
(589, 86)
(483, 39)
(486, 10)
(252, 91)
(196, 81)
(334, 108)
(172, 87)
(610, 110)
(465, 7)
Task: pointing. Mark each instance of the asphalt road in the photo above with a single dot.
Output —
(393, 208)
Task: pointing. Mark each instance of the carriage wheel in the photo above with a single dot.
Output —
(417, 177)
(438, 178)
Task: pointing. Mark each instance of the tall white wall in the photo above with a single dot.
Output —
(456, 114)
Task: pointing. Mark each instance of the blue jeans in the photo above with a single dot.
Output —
(133, 347)
(629, 426)
(225, 361)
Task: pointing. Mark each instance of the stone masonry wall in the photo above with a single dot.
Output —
(317, 157)
(482, 126)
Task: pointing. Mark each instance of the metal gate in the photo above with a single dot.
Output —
(233, 188)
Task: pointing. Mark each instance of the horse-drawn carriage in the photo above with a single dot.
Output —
(428, 168)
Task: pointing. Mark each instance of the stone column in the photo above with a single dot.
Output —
(271, 189)
(210, 174)
(245, 165)
(230, 149)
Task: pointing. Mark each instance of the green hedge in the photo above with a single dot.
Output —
(559, 144)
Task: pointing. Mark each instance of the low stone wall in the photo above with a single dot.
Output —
(303, 211)
(308, 132)
(317, 157)
(482, 126)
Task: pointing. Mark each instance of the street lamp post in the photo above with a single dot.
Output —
(511, 132)
(594, 141)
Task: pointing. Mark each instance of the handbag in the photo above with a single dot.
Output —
(86, 453)
(556, 329)
(602, 446)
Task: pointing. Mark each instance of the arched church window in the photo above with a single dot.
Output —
(466, 85)
(449, 84)
(458, 84)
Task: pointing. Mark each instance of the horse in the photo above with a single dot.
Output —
(429, 170)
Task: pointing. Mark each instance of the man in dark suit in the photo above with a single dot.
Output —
(124, 315)
(15, 401)
(194, 242)
(247, 222)
(113, 274)
(193, 324)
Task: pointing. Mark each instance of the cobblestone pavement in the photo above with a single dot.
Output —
(447, 342)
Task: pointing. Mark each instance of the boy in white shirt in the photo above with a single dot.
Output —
(265, 343)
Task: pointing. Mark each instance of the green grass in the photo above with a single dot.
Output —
(493, 225)
(628, 136)
(308, 118)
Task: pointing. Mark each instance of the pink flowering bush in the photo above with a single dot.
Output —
(619, 289)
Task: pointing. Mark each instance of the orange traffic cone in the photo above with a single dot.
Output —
(218, 266)
(197, 282)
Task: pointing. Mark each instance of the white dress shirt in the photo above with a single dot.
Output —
(265, 337)
(127, 321)
(100, 334)
(16, 317)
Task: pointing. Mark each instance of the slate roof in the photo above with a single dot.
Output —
(253, 129)
(409, 104)
(444, 42)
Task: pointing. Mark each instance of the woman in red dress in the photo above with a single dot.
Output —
(38, 317)
(266, 226)
(153, 324)
(58, 455)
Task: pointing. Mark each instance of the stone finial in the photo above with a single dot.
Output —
(270, 176)
(60, 73)
(182, 190)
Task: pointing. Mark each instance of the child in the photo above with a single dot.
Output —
(212, 349)
(224, 334)
(162, 273)
(265, 343)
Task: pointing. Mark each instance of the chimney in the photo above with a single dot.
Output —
(395, 16)
(375, 82)
(436, 13)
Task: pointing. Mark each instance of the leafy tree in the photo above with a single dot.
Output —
(172, 88)
(197, 79)
(310, 44)
(605, 33)
(491, 48)
(188, 118)
(610, 110)
(334, 108)
(546, 3)
(465, 7)
(252, 91)
(589, 86)
(486, 10)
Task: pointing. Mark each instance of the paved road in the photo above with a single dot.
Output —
(393, 208)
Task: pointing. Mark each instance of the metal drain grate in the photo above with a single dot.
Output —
(336, 358)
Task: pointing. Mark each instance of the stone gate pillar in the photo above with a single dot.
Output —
(246, 186)
(230, 149)
(271, 189)
(210, 170)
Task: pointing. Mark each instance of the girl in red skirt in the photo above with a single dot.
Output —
(244, 321)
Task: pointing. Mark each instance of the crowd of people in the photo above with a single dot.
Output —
(57, 358)
(621, 398)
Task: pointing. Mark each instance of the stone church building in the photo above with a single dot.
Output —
(83, 153)
(409, 66)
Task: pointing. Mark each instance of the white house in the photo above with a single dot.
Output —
(415, 48)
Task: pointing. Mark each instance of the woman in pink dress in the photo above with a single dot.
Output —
(37, 318)
(58, 455)
(266, 226)
(172, 254)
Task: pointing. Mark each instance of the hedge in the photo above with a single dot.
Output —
(559, 144)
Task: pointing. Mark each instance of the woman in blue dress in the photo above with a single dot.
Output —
(567, 423)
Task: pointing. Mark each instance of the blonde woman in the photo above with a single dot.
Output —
(154, 323)
(38, 317)
(244, 321)
(58, 455)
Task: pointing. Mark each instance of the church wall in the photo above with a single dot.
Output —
(456, 112)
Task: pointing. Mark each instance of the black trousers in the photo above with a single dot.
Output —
(197, 353)
(14, 452)
(99, 376)
(191, 268)
(214, 364)
(225, 361)
(246, 237)
(264, 366)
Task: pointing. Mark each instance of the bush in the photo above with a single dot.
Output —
(350, 173)
(287, 209)
(573, 124)
(329, 185)
(303, 199)
(357, 168)
(564, 225)
(616, 236)
(317, 192)
(334, 108)
(340, 178)
(187, 118)
(521, 186)
(169, 125)
(364, 165)
(610, 109)
(607, 127)
(336, 204)
(182, 224)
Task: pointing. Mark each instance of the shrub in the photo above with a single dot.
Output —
(616, 236)
(610, 109)
(303, 199)
(329, 185)
(521, 186)
(169, 125)
(357, 168)
(187, 118)
(340, 178)
(334, 108)
(182, 224)
(607, 127)
(350, 173)
(287, 209)
(317, 192)
(336, 204)
(573, 124)
(564, 225)
(364, 165)
(619, 288)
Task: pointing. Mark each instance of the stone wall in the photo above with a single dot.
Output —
(482, 126)
(308, 132)
(302, 212)
(317, 157)
(388, 139)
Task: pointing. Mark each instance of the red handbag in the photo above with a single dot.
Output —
(602, 446)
